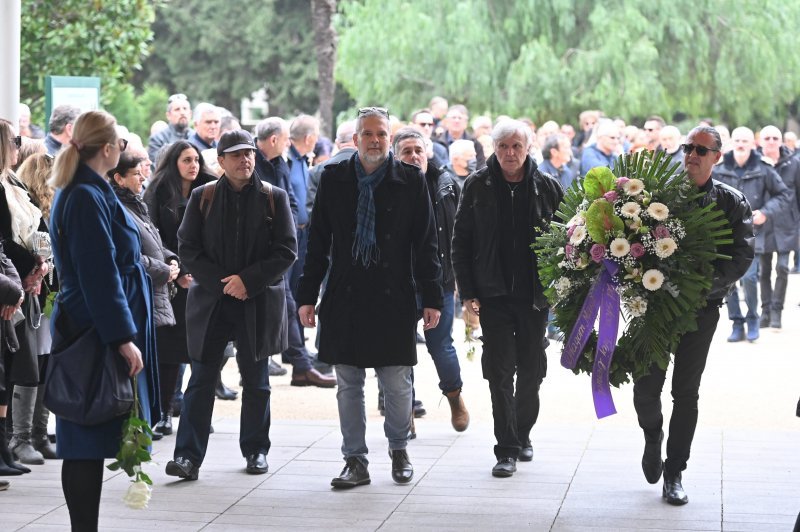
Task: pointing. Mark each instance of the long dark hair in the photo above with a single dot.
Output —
(167, 179)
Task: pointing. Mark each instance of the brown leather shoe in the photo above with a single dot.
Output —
(459, 415)
(312, 377)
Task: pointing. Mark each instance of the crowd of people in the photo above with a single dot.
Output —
(209, 242)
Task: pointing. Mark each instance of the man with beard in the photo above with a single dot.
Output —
(373, 228)
(178, 113)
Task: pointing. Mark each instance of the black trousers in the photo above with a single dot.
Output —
(513, 343)
(82, 482)
(227, 323)
(690, 361)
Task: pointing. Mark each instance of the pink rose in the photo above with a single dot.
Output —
(621, 181)
(611, 196)
(570, 250)
(637, 250)
(570, 231)
(598, 252)
(660, 232)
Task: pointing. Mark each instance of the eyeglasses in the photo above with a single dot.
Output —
(373, 110)
(122, 144)
(650, 129)
(425, 124)
(176, 97)
(771, 138)
(700, 150)
(17, 141)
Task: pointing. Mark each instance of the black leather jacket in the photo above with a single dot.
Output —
(444, 194)
(737, 211)
(476, 259)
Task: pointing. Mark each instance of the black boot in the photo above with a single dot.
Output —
(164, 426)
(673, 489)
(222, 391)
(39, 437)
(8, 467)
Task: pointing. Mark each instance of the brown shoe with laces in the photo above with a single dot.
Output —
(459, 416)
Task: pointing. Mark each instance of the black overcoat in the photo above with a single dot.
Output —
(368, 314)
(270, 250)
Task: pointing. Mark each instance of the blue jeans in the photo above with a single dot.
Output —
(396, 382)
(439, 342)
(750, 285)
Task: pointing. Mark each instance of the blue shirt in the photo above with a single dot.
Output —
(593, 157)
(298, 174)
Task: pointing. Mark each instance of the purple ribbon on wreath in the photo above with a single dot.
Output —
(603, 298)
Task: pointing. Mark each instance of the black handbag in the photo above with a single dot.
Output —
(87, 381)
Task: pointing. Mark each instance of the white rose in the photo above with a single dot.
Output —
(633, 187)
(138, 495)
(630, 209)
(658, 211)
(665, 247)
(652, 279)
(578, 234)
(619, 247)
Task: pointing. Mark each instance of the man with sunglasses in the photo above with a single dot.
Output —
(425, 122)
(744, 170)
(781, 233)
(179, 112)
(372, 230)
(701, 152)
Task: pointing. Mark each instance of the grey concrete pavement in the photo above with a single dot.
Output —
(744, 473)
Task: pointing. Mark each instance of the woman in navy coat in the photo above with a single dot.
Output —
(103, 284)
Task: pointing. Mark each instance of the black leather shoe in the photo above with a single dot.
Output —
(225, 393)
(652, 465)
(183, 468)
(257, 464)
(354, 474)
(156, 436)
(505, 467)
(402, 471)
(526, 453)
(164, 425)
(673, 490)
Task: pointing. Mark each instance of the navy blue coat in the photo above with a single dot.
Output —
(96, 247)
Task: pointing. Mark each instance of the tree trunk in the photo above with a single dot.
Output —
(325, 42)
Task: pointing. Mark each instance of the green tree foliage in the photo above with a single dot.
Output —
(221, 51)
(137, 112)
(103, 38)
(733, 60)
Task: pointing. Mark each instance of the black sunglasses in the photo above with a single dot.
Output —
(373, 110)
(701, 150)
(17, 141)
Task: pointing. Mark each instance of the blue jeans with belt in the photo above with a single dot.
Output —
(396, 383)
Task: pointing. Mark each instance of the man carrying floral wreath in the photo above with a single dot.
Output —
(503, 207)
(701, 153)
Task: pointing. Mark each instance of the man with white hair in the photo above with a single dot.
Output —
(503, 207)
(206, 126)
(26, 128)
(745, 170)
(463, 160)
(780, 233)
(670, 140)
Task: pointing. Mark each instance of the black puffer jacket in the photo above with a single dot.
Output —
(444, 194)
(476, 259)
(737, 211)
(155, 257)
(781, 232)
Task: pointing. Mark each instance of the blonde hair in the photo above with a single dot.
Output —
(29, 147)
(6, 132)
(92, 131)
(34, 172)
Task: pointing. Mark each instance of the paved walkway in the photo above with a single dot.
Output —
(744, 473)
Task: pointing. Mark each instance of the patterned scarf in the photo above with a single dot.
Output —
(365, 245)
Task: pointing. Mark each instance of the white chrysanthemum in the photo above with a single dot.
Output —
(665, 247)
(578, 234)
(619, 247)
(630, 209)
(138, 495)
(652, 279)
(637, 307)
(633, 187)
(562, 286)
(658, 211)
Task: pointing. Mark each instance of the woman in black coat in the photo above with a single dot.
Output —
(180, 170)
(160, 263)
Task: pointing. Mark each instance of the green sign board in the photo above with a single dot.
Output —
(80, 91)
